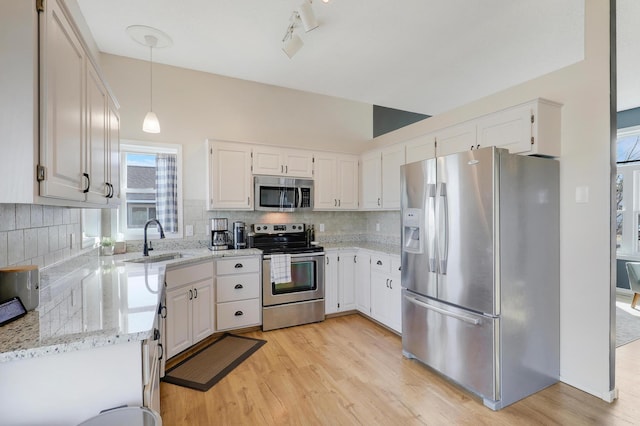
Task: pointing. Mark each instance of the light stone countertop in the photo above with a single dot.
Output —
(91, 301)
(391, 249)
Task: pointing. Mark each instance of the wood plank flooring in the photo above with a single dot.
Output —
(350, 371)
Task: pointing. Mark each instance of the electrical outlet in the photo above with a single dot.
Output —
(322, 227)
(188, 230)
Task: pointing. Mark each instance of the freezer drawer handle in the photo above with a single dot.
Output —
(469, 320)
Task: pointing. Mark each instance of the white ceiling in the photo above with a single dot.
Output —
(425, 56)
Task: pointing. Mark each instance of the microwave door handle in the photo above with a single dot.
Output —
(299, 195)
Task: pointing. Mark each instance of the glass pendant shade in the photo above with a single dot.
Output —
(151, 123)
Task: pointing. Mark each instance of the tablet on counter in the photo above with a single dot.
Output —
(10, 310)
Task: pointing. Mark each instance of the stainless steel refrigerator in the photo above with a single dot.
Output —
(480, 271)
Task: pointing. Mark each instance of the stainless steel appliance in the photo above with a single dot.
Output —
(282, 194)
(239, 235)
(301, 300)
(480, 271)
(219, 234)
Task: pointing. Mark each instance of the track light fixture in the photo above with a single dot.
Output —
(292, 43)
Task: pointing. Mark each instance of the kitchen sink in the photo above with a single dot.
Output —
(158, 258)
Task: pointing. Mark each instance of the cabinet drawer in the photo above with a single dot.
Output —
(176, 277)
(380, 262)
(238, 287)
(238, 314)
(238, 265)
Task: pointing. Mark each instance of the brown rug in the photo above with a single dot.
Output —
(208, 366)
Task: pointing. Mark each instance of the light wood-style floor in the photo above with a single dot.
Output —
(350, 371)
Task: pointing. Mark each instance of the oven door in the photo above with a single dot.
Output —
(307, 280)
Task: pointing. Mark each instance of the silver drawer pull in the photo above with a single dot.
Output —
(238, 265)
(238, 286)
(379, 262)
(469, 320)
(239, 313)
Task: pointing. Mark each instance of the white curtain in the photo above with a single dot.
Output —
(167, 191)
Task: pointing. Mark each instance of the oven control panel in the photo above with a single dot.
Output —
(277, 228)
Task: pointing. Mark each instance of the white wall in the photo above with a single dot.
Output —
(193, 106)
(585, 302)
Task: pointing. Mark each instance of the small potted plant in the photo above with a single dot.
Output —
(106, 246)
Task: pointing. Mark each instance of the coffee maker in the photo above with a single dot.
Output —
(239, 235)
(219, 234)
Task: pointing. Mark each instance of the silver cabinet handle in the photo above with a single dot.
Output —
(339, 202)
(390, 286)
(239, 313)
(190, 294)
(195, 293)
(387, 283)
(238, 265)
(286, 169)
(379, 262)
(378, 201)
(465, 318)
(281, 168)
(238, 286)
(335, 202)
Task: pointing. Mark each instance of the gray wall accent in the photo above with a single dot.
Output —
(386, 120)
(627, 118)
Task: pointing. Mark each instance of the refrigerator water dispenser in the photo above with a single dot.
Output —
(412, 225)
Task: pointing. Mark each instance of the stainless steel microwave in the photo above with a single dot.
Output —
(280, 194)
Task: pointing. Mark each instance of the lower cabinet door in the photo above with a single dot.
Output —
(242, 313)
(202, 310)
(178, 323)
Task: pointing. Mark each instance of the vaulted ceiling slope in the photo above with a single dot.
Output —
(424, 56)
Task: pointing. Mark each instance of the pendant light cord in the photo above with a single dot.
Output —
(151, 78)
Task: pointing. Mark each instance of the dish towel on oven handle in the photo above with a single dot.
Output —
(280, 268)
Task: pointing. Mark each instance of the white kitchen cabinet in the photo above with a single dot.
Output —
(371, 180)
(339, 273)
(238, 289)
(330, 281)
(76, 135)
(529, 128)
(363, 282)
(276, 161)
(380, 178)
(420, 148)
(386, 291)
(392, 158)
(190, 306)
(335, 182)
(230, 183)
(458, 138)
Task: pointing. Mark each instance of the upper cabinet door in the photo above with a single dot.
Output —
(282, 162)
(62, 141)
(371, 182)
(392, 159)
(229, 176)
(97, 116)
(529, 128)
(458, 138)
(420, 148)
(114, 152)
(347, 182)
(324, 182)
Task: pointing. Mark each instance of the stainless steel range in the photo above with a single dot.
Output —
(294, 300)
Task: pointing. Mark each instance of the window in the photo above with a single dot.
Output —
(628, 192)
(151, 189)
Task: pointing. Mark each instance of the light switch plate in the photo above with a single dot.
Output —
(582, 194)
(322, 227)
(188, 230)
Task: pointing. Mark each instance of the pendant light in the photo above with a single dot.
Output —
(151, 123)
(153, 39)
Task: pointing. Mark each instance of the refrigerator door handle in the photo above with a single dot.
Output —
(431, 225)
(443, 228)
(464, 318)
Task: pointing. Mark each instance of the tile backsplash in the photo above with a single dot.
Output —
(38, 235)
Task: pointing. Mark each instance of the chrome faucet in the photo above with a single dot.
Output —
(146, 248)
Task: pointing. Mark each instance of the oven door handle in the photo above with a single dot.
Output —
(298, 255)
